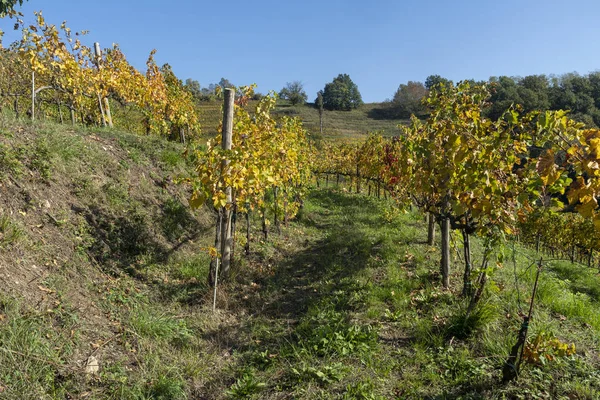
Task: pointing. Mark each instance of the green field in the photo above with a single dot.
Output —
(337, 125)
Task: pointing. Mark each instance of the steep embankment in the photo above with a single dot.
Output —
(89, 220)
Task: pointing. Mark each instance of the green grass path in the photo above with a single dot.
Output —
(354, 311)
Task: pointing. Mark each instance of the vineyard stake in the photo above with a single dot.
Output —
(215, 288)
(98, 53)
(226, 223)
(33, 95)
(511, 367)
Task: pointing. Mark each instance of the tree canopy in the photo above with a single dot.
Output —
(408, 99)
(8, 5)
(579, 94)
(433, 80)
(341, 94)
(294, 92)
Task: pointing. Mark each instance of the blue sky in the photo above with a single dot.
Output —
(379, 43)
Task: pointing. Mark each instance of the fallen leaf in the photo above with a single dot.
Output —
(43, 289)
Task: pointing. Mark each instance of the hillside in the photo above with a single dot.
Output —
(87, 221)
(104, 292)
(337, 125)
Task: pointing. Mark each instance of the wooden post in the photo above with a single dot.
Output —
(247, 247)
(214, 262)
(264, 225)
(467, 275)
(213, 277)
(226, 143)
(108, 113)
(181, 135)
(106, 107)
(16, 106)
(276, 209)
(445, 261)
(430, 229)
(285, 203)
(33, 95)
(357, 177)
(60, 113)
(101, 110)
(445, 232)
(320, 106)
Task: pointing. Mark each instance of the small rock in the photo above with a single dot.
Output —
(92, 365)
(47, 204)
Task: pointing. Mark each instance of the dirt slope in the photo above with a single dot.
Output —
(79, 211)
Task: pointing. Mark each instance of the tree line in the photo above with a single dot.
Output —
(580, 94)
(340, 94)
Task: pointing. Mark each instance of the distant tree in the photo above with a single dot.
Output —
(533, 91)
(7, 6)
(433, 80)
(193, 86)
(573, 92)
(505, 94)
(224, 83)
(341, 94)
(294, 92)
(198, 92)
(594, 78)
(408, 99)
(210, 90)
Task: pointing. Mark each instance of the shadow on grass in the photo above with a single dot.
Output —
(132, 239)
(582, 279)
(323, 274)
(387, 111)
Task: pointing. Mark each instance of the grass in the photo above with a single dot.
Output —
(10, 232)
(344, 304)
(337, 125)
(344, 125)
(356, 312)
(34, 346)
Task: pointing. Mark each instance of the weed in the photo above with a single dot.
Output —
(329, 333)
(245, 387)
(10, 232)
(362, 390)
(162, 327)
(262, 359)
(323, 375)
(462, 326)
(171, 158)
(458, 365)
(393, 316)
(40, 159)
(166, 386)
(9, 162)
